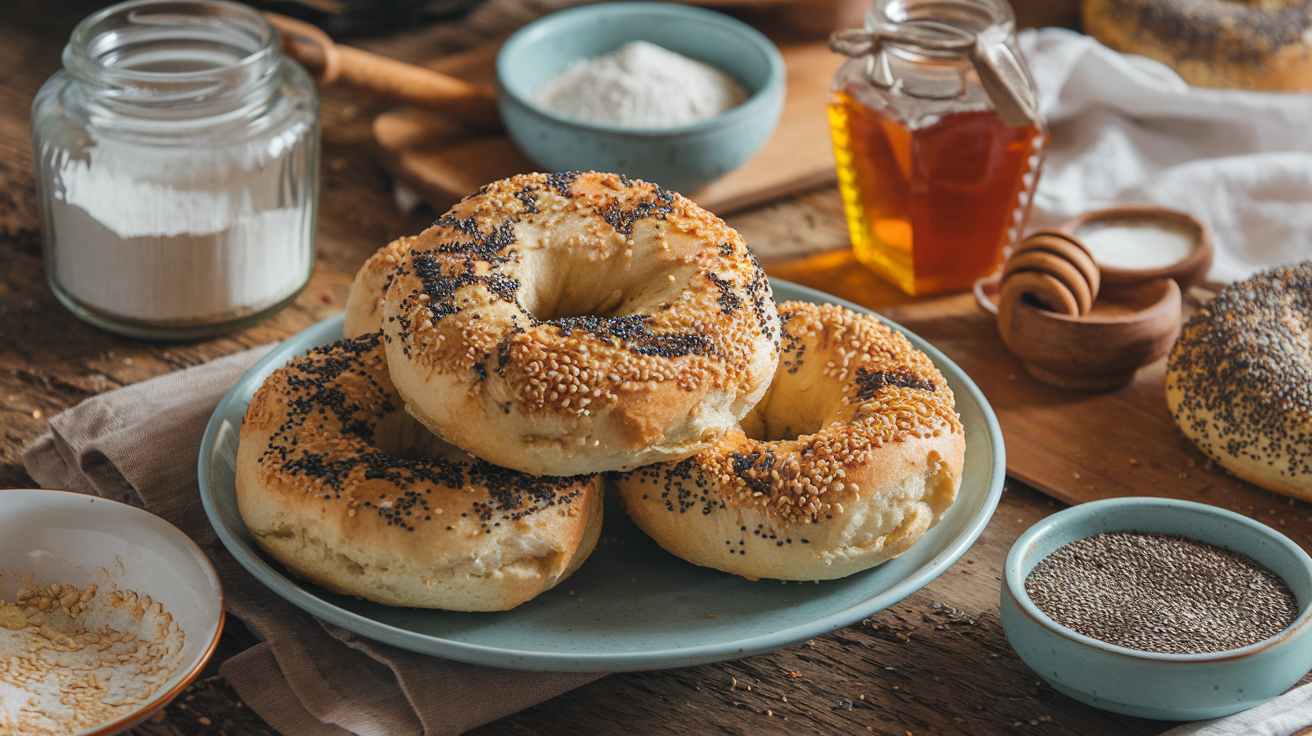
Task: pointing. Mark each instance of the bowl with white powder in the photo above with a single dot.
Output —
(1134, 243)
(672, 94)
(106, 613)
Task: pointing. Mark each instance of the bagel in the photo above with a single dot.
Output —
(570, 323)
(1213, 43)
(1239, 379)
(343, 488)
(853, 454)
(364, 302)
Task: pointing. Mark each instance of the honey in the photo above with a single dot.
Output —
(930, 207)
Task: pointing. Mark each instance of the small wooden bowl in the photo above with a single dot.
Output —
(1190, 271)
(1102, 350)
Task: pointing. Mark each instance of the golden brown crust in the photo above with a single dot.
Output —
(1239, 379)
(364, 303)
(572, 323)
(854, 453)
(1213, 43)
(339, 485)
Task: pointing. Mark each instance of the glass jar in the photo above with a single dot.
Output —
(176, 159)
(937, 138)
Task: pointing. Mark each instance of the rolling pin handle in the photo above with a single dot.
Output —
(309, 46)
(408, 84)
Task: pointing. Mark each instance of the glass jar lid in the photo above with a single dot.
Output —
(946, 30)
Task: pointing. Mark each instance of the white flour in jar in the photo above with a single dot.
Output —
(640, 85)
(203, 244)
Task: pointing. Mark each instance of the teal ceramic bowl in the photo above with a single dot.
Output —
(683, 159)
(1179, 687)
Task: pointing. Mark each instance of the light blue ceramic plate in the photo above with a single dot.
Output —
(612, 623)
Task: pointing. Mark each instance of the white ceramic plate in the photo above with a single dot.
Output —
(611, 623)
(71, 538)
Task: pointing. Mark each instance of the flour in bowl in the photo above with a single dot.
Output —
(640, 85)
(72, 659)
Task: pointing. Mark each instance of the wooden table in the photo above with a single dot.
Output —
(935, 663)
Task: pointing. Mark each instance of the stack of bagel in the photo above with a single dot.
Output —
(553, 333)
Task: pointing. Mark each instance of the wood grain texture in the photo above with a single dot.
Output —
(209, 707)
(936, 663)
(948, 675)
(444, 164)
(1099, 351)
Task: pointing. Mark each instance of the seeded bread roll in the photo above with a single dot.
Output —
(1239, 379)
(574, 323)
(1213, 43)
(853, 454)
(336, 482)
(364, 303)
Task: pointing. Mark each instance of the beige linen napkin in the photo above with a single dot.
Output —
(307, 677)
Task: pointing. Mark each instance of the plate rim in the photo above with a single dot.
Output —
(280, 584)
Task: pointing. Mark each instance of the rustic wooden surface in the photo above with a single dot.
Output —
(935, 663)
(445, 163)
(1072, 445)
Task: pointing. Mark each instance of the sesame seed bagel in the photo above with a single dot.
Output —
(1239, 379)
(570, 323)
(350, 493)
(853, 454)
(364, 303)
(1241, 44)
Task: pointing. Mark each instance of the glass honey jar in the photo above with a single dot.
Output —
(937, 138)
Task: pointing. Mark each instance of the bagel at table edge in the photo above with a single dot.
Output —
(561, 324)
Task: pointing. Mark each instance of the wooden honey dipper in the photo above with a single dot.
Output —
(1055, 271)
(1047, 316)
(409, 84)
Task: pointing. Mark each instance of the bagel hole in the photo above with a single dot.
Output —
(801, 400)
(401, 435)
(615, 286)
(763, 425)
(570, 303)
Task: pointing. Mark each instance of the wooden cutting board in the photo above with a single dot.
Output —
(444, 161)
(1071, 445)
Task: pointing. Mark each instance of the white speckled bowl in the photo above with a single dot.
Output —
(62, 537)
(681, 159)
(1179, 687)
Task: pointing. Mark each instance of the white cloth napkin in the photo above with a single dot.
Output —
(1129, 129)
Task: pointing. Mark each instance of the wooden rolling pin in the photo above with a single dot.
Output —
(398, 81)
